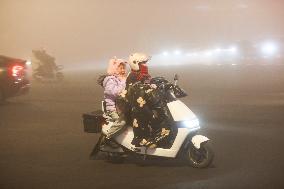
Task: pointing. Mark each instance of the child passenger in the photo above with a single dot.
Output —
(114, 84)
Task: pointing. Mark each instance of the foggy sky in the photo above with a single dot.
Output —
(77, 31)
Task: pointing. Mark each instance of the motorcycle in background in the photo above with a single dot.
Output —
(46, 69)
(42, 75)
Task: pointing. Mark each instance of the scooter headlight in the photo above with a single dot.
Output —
(190, 124)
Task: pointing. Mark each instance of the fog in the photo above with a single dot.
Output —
(234, 83)
(90, 31)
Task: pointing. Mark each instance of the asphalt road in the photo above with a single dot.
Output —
(42, 143)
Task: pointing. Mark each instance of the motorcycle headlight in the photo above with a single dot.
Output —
(190, 124)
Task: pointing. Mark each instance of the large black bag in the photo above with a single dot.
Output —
(93, 121)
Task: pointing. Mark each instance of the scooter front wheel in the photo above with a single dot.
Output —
(200, 158)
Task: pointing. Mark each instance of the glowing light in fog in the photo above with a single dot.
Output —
(16, 70)
(191, 124)
(218, 50)
(211, 55)
(208, 53)
(177, 52)
(165, 53)
(268, 49)
(233, 49)
(28, 62)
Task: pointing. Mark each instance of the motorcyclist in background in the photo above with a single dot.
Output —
(46, 63)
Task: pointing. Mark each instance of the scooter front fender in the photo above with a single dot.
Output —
(197, 140)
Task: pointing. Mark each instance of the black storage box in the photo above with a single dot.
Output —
(93, 121)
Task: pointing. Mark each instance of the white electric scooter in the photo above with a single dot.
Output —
(195, 149)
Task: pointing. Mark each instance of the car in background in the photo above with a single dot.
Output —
(13, 77)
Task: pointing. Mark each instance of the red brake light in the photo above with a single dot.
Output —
(17, 70)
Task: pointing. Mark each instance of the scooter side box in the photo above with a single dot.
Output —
(93, 121)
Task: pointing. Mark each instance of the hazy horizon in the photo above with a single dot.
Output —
(90, 31)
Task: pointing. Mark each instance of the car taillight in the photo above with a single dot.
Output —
(17, 70)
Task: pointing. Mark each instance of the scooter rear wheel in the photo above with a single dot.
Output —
(96, 149)
(116, 157)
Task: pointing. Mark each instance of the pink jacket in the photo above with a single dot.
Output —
(113, 87)
(112, 84)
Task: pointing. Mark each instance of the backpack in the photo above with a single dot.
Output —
(101, 78)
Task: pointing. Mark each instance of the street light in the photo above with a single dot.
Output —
(177, 52)
(165, 53)
(269, 49)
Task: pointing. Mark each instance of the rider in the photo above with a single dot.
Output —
(114, 83)
(46, 62)
(139, 69)
(147, 107)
